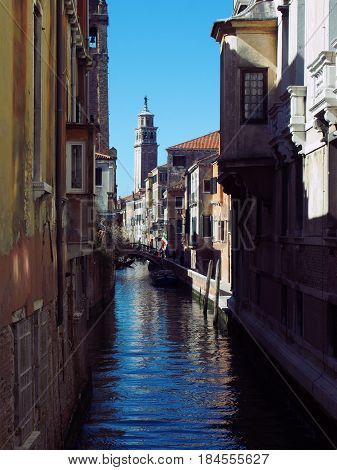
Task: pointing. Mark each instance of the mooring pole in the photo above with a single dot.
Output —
(217, 291)
(208, 282)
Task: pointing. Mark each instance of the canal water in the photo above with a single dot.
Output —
(164, 378)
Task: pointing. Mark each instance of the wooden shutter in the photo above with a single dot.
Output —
(24, 378)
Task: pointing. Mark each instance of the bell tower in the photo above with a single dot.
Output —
(146, 147)
(106, 157)
(98, 75)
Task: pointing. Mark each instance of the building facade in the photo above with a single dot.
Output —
(106, 157)
(155, 187)
(49, 272)
(278, 122)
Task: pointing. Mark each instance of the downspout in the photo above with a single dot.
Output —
(73, 76)
(58, 158)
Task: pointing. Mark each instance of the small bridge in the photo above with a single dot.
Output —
(135, 250)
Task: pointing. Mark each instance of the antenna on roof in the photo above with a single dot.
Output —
(145, 103)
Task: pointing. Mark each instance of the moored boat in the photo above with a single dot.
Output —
(163, 277)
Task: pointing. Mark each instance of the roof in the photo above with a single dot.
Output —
(133, 196)
(106, 154)
(127, 198)
(145, 111)
(102, 156)
(208, 160)
(257, 10)
(207, 141)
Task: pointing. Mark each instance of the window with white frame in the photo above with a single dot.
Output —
(207, 186)
(75, 167)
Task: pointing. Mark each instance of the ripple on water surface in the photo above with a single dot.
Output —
(163, 378)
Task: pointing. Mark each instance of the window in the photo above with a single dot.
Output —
(163, 178)
(222, 231)
(258, 289)
(37, 94)
(41, 355)
(194, 235)
(179, 202)
(75, 167)
(207, 186)
(213, 185)
(284, 305)
(154, 179)
(299, 313)
(23, 353)
(99, 178)
(179, 224)
(241, 8)
(179, 160)
(332, 329)
(299, 194)
(93, 37)
(285, 200)
(254, 91)
(207, 225)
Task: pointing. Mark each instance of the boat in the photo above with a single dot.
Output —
(163, 278)
(124, 263)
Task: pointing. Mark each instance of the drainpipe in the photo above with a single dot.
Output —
(58, 158)
(73, 76)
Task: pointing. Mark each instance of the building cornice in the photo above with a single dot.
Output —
(71, 12)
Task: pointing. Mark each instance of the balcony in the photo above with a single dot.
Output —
(80, 205)
(323, 104)
(287, 123)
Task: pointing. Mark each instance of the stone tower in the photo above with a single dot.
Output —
(106, 157)
(98, 75)
(146, 147)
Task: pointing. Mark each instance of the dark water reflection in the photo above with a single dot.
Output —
(163, 378)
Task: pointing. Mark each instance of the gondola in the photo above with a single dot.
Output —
(163, 278)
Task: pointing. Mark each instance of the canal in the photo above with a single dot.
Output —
(164, 378)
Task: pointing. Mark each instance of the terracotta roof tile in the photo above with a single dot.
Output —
(208, 141)
(102, 156)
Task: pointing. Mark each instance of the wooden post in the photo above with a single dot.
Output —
(208, 282)
(217, 291)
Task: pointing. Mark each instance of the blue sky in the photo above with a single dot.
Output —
(164, 50)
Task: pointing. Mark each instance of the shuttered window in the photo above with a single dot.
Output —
(24, 378)
(41, 356)
(214, 188)
(207, 225)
